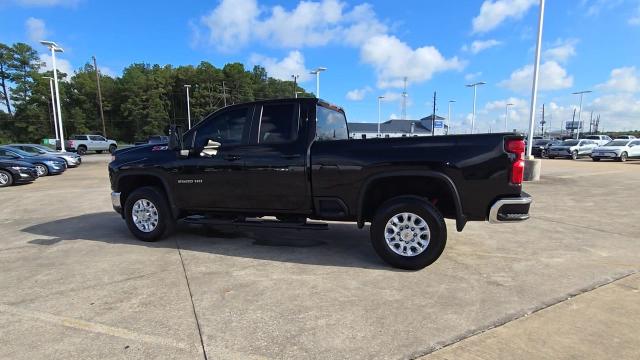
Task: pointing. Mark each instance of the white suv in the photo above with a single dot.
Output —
(97, 143)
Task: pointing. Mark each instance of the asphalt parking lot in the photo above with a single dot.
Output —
(565, 284)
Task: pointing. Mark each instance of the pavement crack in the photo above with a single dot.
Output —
(515, 316)
(193, 306)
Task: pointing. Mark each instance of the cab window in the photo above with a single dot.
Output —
(330, 125)
(228, 128)
(278, 124)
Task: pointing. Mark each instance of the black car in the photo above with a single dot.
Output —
(16, 172)
(293, 159)
(541, 146)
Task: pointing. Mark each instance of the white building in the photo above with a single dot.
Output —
(398, 128)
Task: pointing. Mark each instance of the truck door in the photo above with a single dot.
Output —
(275, 162)
(216, 182)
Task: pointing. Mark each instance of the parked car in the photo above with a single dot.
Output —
(83, 143)
(16, 172)
(619, 149)
(45, 164)
(540, 147)
(293, 159)
(155, 139)
(600, 140)
(72, 159)
(627, 137)
(572, 149)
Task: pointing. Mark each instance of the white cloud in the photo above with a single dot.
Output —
(36, 29)
(617, 111)
(472, 76)
(292, 64)
(481, 45)
(552, 77)
(494, 12)
(107, 71)
(358, 94)
(62, 65)
(234, 23)
(634, 20)
(561, 50)
(47, 3)
(624, 79)
(393, 59)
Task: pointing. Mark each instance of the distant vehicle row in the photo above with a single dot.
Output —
(618, 149)
(24, 163)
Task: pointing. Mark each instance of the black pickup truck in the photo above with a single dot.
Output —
(292, 159)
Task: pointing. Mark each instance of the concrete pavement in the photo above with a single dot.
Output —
(76, 284)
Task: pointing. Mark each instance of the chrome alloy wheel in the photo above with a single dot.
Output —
(144, 215)
(4, 179)
(41, 169)
(407, 234)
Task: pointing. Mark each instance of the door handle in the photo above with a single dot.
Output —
(231, 157)
(290, 156)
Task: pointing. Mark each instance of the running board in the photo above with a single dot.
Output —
(252, 222)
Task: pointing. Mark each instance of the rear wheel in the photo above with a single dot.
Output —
(42, 169)
(5, 178)
(148, 215)
(551, 157)
(82, 150)
(623, 157)
(574, 155)
(112, 149)
(408, 233)
(595, 159)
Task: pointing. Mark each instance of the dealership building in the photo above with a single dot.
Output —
(398, 128)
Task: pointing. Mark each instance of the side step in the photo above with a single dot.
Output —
(254, 222)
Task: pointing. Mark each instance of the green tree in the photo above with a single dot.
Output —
(24, 65)
(6, 57)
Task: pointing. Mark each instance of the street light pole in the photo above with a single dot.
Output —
(317, 72)
(475, 93)
(506, 117)
(295, 85)
(55, 48)
(53, 106)
(188, 106)
(379, 113)
(449, 116)
(95, 66)
(581, 93)
(534, 87)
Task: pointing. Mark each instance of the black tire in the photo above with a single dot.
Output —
(623, 157)
(44, 169)
(595, 159)
(166, 222)
(574, 155)
(425, 210)
(551, 157)
(112, 149)
(81, 150)
(98, 151)
(5, 178)
(543, 154)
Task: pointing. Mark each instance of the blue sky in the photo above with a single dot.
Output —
(368, 47)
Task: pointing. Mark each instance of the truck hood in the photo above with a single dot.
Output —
(141, 150)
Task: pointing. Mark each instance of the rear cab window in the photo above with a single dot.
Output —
(330, 124)
(279, 124)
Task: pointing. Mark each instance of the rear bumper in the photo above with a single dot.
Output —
(508, 210)
(115, 202)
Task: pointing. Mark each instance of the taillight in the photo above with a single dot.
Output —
(517, 148)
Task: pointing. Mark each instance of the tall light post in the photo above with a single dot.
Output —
(534, 87)
(187, 87)
(55, 48)
(53, 106)
(581, 93)
(379, 113)
(317, 72)
(295, 84)
(506, 117)
(449, 116)
(475, 93)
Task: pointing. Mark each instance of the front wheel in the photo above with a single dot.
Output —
(148, 215)
(42, 170)
(623, 157)
(408, 233)
(112, 149)
(82, 150)
(574, 155)
(5, 178)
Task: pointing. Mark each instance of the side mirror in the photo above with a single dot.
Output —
(211, 149)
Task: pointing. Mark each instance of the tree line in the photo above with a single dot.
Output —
(141, 102)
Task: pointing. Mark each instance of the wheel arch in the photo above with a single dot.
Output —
(443, 187)
(130, 182)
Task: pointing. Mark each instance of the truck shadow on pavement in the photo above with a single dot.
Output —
(343, 245)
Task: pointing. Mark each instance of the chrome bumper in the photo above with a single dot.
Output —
(115, 202)
(498, 214)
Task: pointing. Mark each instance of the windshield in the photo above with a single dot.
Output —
(541, 142)
(617, 143)
(18, 151)
(42, 147)
(593, 137)
(570, 143)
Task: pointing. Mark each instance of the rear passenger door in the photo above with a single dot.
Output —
(634, 149)
(275, 161)
(97, 143)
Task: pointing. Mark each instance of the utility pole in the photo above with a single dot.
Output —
(53, 106)
(433, 117)
(573, 122)
(295, 85)
(581, 93)
(543, 121)
(404, 100)
(449, 117)
(188, 106)
(95, 66)
(224, 94)
(475, 93)
(379, 113)
(591, 123)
